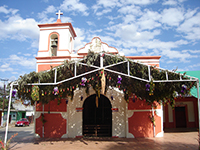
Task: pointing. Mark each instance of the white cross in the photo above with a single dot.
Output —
(59, 13)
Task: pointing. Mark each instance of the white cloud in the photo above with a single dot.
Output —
(139, 2)
(79, 42)
(194, 66)
(18, 28)
(35, 43)
(44, 15)
(129, 19)
(177, 55)
(170, 2)
(74, 6)
(28, 54)
(131, 33)
(110, 3)
(149, 20)
(13, 78)
(90, 23)
(172, 16)
(130, 9)
(191, 27)
(3, 9)
(190, 13)
(23, 61)
(104, 11)
(170, 61)
(66, 19)
(127, 51)
(15, 73)
(191, 51)
(5, 67)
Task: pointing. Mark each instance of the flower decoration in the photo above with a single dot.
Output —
(83, 81)
(184, 87)
(42, 93)
(147, 87)
(35, 93)
(150, 87)
(14, 92)
(55, 90)
(119, 80)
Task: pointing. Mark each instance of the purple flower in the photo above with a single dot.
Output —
(55, 90)
(147, 87)
(184, 87)
(119, 80)
(83, 81)
(14, 92)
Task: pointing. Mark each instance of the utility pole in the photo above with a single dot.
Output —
(4, 80)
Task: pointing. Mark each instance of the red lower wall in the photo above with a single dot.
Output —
(54, 127)
(139, 123)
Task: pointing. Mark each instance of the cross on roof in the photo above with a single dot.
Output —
(59, 13)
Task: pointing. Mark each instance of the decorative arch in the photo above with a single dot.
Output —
(97, 118)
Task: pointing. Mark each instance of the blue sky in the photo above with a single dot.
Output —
(169, 28)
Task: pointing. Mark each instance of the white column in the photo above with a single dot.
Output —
(198, 103)
(8, 113)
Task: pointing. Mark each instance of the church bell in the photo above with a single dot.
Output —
(54, 44)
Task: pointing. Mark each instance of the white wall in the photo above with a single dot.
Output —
(75, 122)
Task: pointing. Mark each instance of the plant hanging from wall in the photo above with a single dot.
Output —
(35, 93)
(100, 80)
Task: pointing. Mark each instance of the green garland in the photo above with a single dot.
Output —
(162, 92)
(35, 93)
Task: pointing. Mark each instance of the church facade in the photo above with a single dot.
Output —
(113, 117)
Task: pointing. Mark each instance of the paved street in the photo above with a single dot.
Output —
(25, 134)
(172, 140)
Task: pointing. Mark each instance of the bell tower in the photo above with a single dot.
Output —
(56, 43)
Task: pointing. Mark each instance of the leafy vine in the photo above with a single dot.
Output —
(162, 92)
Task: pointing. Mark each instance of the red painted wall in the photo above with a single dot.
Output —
(139, 123)
(55, 125)
(46, 67)
(53, 106)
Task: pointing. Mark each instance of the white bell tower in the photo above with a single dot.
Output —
(56, 43)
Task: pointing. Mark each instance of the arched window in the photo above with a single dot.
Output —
(53, 45)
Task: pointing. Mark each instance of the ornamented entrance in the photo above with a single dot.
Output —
(97, 121)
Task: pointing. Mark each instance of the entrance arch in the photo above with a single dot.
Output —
(97, 121)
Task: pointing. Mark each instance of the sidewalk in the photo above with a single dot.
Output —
(170, 141)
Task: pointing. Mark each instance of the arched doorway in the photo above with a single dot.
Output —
(97, 121)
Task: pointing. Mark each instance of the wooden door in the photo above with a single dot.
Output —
(180, 117)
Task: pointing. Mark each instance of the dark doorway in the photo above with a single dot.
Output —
(23, 115)
(97, 121)
(180, 117)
